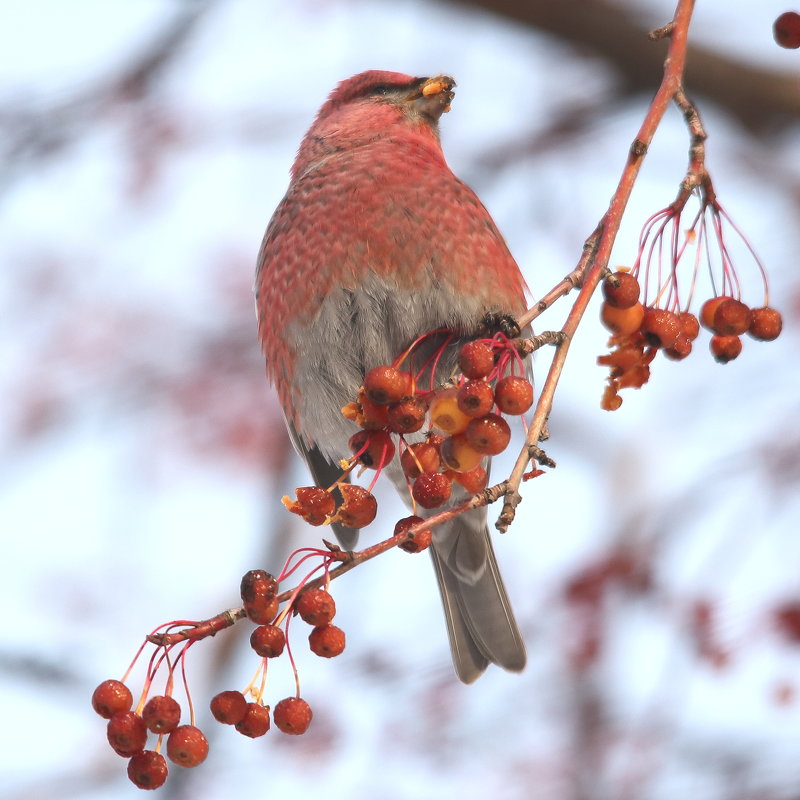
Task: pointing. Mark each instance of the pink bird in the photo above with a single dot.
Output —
(375, 243)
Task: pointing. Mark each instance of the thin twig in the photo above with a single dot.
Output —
(598, 247)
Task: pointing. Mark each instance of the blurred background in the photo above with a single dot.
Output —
(143, 147)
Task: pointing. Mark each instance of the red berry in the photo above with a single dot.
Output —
(255, 722)
(787, 30)
(660, 327)
(690, 325)
(731, 318)
(458, 454)
(765, 324)
(432, 490)
(229, 707)
(292, 715)
(625, 294)
(111, 697)
(374, 449)
(489, 435)
(474, 481)
(622, 321)
(407, 416)
(161, 714)
(326, 641)
(268, 641)
(147, 769)
(420, 541)
(315, 606)
(419, 458)
(313, 503)
(475, 398)
(387, 385)
(725, 348)
(127, 733)
(187, 746)
(476, 360)
(514, 395)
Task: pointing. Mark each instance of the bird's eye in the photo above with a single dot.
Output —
(381, 90)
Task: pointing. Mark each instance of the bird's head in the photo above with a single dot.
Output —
(375, 104)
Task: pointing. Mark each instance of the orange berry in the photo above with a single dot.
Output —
(358, 508)
(126, 733)
(161, 714)
(625, 294)
(445, 413)
(187, 746)
(475, 398)
(326, 641)
(268, 641)
(660, 327)
(261, 611)
(474, 481)
(374, 449)
(315, 606)
(458, 454)
(489, 435)
(708, 309)
(255, 721)
(514, 395)
(432, 490)
(386, 385)
(147, 769)
(765, 324)
(229, 707)
(731, 318)
(292, 715)
(622, 321)
(420, 541)
(725, 348)
(313, 504)
(110, 697)
(259, 589)
(681, 348)
(372, 415)
(407, 416)
(476, 360)
(690, 325)
(418, 458)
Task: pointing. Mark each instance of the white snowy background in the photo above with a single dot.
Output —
(142, 457)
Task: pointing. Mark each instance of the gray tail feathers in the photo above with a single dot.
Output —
(480, 621)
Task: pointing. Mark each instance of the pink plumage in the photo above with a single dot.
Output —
(375, 243)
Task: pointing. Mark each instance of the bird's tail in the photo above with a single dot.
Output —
(480, 620)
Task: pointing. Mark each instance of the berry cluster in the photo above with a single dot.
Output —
(186, 745)
(463, 423)
(127, 732)
(639, 329)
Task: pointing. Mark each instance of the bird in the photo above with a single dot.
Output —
(375, 243)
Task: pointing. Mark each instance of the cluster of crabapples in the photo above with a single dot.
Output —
(463, 424)
(186, 745)
(639, 332)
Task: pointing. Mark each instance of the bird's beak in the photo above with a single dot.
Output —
(433, 96)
